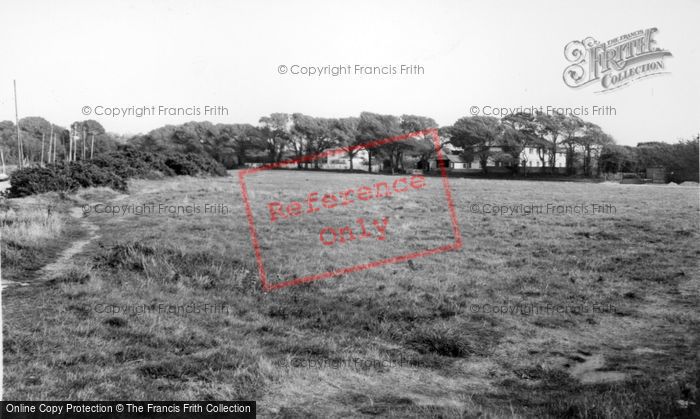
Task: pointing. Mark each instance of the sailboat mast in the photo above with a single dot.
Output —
(19, 140)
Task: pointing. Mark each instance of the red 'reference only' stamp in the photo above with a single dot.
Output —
(317, 212)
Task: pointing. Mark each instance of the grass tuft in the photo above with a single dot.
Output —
(440, 339)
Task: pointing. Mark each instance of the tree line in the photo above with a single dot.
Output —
(43, 142)
(503, 140)
(680, 159)
(282, 136)
(481, 138)
(279, 136)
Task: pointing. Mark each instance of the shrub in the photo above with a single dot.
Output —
(182, 165)
(132, 163)
(88, 175)
(33, 180)
(109, 170)
(193, 164)
(62, 177)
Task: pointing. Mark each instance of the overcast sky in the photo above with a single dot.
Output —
(69, 54)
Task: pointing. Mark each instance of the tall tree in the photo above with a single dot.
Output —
(346, 134)
(420, 145)
(315, 133)
(376, 127)
(276, 132)
(550, 128)
(618, 158)
(8, 140)
(238, 140)
(572, 129)
(33, 129)
(519, 133)
(477, 135)
(592, 139)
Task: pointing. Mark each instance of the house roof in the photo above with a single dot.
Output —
(560, 149)
(454, 158)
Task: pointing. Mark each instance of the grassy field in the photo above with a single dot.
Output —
(600, 311)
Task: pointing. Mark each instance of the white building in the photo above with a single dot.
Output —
(532, 159)
(360, 161)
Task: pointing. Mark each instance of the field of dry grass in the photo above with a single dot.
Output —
(599, 312)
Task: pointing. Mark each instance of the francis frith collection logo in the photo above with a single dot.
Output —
(615, 63)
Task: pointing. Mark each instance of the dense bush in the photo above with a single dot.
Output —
(37, 180)
(62, 177)
(131, 163)
(110, 170)
(86, 175)
(193, 164)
